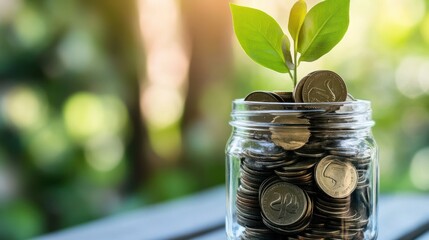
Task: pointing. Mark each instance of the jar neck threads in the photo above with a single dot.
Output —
(317, 117)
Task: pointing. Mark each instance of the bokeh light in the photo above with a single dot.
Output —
(8, 9)
(163, 86)
(161, 107)
(83, 115)
(49, 146)
(412, 83)
(87, 115)
(31, 27)
(77, 51)
(24, 108)
(104, 152)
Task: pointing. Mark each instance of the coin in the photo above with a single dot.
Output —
(324, 86)
(287, 138)
(272, 157)
(288, 203)
(259, 233)
(309, 151)
(286, 96)
(336, 178)
(302, 164)
(283, 203)
(263, 96)
(297, 92)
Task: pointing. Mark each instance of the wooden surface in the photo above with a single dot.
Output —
(201, 217)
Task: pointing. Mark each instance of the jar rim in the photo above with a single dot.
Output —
(331, 115)
(354, 102)
(348, 107)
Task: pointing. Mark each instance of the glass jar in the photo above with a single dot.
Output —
(301, 171)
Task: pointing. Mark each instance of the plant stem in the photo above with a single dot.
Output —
(295, 71)
(290, 75)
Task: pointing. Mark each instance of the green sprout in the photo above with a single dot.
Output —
(313, 33)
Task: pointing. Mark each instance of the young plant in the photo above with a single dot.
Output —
(313, 34)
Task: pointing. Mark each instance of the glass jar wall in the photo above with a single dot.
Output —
(301, 171)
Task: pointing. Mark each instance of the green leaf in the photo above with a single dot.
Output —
(323, 27)
(287, 53)
(296, 19)
(260, 36)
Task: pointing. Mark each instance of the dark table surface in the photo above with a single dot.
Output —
(201, 216)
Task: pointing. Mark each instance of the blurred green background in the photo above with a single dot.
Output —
(107, 106)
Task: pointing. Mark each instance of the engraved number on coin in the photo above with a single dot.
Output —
(284, 204)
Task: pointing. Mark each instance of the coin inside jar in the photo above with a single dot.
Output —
(291, 139)
(283, 203)
(336, 177)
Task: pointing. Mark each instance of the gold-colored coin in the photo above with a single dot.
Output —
(297, 93)
(336, 177)
(324, 86)
(290, 139)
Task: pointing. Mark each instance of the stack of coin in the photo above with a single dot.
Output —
(309, 175)
(266, 96)
(317, 87)
(248, 210)
(256, 166)
(321, 86)
(259, 233)
(336, 217)
(299, 173)
(286, 96)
